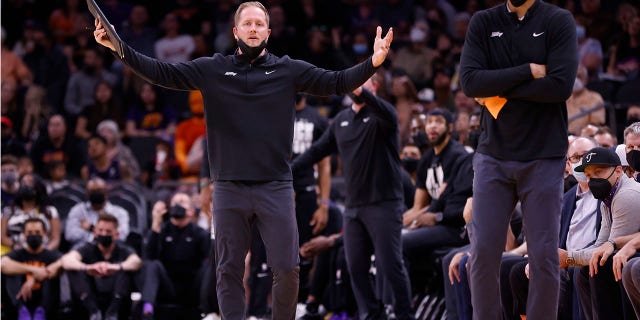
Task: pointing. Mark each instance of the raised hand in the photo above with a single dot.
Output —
(100, 34)
(381, 46)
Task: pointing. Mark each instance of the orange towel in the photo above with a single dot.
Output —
(494, 105)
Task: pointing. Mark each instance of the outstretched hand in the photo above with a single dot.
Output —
(381, 46)
(100, 34)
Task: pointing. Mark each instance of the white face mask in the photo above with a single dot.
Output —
(578, 175)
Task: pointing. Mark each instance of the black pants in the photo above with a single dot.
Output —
(47, 297)
(601, 296)
(208, 295)
(513, 286)
(260, 278)
(306, 206)
(269, 207)
(376, 229)
(100, 291)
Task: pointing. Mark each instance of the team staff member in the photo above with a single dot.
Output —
(256, 88)
(366, 136)
(174, 255)
(524, 51)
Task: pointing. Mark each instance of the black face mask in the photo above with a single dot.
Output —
(97, 198)
(633, 158)
(517, 3)
(90, 70)
(251, 52)
(27, 193)
(474, 138)
(410, 164)
(177, 212)
(356, 99)
(420, 139)
(600, 187)
(34, 241)
(105, 241)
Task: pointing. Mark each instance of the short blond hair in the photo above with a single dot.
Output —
(245, 5)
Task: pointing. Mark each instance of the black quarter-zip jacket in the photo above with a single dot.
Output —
(368, 143)
(249, 107)
(495, 62)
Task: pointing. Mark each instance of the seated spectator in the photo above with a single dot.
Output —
(30, 202)
(442, 187)
(11, 144)
(99, 164)
(106, 106)
(173, 47)
(57, 173)
(83, 216)
(599, 294)
(117, 150)
(56, 145)
(163, 167)
(605, 138)
(48, 64)
(410, 156)
(589, 50)
(406, 103)
(31, 275)
(137, 33)
(579, 228)
(149, 117)
(100, 270)
(13, 68)
(175, 252)
(632, 148)
(25, 167)
(624, 57)
(10, 179)
(417, 57)
(82, 84)
(189, 132)
(582, 104)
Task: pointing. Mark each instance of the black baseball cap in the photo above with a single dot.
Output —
(600, 156)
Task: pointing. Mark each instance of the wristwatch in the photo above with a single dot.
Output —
(571, 262)
(613, 243)
(439, 217)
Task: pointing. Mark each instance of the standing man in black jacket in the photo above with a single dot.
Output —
(524, 51)
(367, 138)
(250, 163)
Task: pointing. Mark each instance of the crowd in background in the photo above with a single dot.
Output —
(83, 136)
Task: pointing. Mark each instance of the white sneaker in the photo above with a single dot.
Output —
(212, 316)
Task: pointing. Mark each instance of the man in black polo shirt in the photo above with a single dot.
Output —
(30, 274)
(520, 61)
(366, 136)
(99, 271)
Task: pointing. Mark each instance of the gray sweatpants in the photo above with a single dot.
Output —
(268, 206)
(497, 186)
